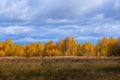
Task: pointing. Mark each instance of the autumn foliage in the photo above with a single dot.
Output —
(65, 47)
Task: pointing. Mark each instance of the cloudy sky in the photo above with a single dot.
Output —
(42, 20)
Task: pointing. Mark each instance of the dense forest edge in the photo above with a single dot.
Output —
(65, 47)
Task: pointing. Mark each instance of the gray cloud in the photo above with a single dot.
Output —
(34, 20)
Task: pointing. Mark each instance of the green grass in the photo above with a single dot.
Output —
(60, 68)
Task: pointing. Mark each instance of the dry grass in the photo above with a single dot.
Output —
(59, 68)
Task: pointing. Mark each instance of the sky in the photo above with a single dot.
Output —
(26, 21)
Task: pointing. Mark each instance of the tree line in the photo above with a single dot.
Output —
(65, 47)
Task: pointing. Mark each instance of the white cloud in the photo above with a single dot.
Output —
(31, 40)
(27, 39)
(43, 34)
(98, 17)
(15, 30)
(14, 9)
(54, 21)
(117, 5)
(87, 38)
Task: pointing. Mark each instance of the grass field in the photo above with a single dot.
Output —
(59, 68)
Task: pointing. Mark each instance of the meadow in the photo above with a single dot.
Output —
(59, 68)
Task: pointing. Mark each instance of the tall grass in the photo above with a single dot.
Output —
(59, 68)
